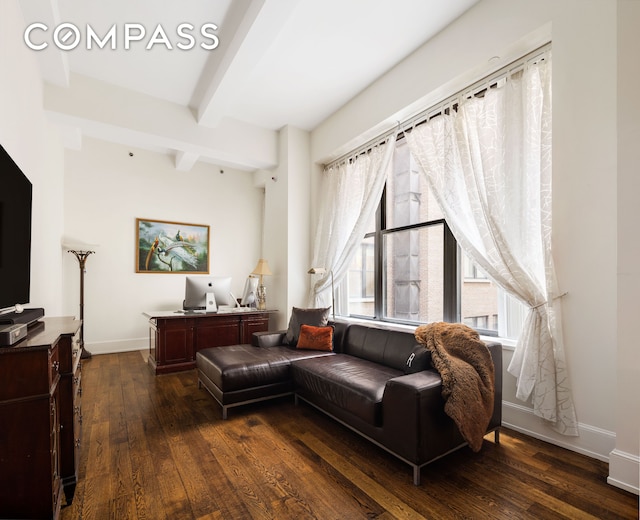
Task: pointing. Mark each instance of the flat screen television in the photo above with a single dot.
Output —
(196, 288)
(15, 233)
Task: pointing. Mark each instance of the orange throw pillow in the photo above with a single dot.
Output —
(315, 338)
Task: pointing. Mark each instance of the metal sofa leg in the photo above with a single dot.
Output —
(416, 475)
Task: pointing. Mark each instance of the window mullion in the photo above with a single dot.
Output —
(381, 223)
(451, 304)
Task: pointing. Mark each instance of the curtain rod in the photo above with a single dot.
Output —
(363, 148)
(438, 107)
(481, 84)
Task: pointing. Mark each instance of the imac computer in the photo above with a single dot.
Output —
(197, 287)
(250, 291)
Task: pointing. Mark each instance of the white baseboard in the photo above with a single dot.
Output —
(592, 442)
(624, 471)
(113, 347)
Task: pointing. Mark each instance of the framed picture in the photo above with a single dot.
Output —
(171, 247)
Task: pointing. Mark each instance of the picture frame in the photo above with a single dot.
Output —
(168, 247)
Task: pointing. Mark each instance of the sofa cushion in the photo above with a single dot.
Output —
(314, 317)
(354, 384)
(395, 349)
(241, 366)
(315, 338)
(238, 367)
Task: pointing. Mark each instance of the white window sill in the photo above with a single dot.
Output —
(507, 343)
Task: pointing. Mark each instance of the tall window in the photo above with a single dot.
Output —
(409, 268)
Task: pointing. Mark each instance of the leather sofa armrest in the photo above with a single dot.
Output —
(413, 413)
(268, 338)
(407, 395)
(415, 423)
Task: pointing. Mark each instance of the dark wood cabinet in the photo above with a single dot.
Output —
(70, 385)
(37, 404)
(174, 338)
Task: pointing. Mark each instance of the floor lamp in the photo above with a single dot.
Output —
(82, 255)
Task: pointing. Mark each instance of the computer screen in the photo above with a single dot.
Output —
(196, 288)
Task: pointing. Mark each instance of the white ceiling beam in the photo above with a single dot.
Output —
(237, 25)
(53, 63)
(185, 160)
(249, 29)
(123, 116)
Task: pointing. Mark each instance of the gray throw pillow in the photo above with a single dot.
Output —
(313, 317)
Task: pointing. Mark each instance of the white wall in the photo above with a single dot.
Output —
(287, 228)
(584, 36)
(624, 467)
(105, 191)
(34, 145)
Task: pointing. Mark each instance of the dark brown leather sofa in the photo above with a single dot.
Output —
(379, 383)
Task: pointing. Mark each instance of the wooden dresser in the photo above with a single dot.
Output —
(174, 337)
(40, 418)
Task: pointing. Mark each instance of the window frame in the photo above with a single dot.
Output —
(451, 275)
(452, 268)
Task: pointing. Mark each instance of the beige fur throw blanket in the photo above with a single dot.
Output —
(467, 372)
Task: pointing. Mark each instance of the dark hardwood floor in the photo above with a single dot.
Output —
(156, 448)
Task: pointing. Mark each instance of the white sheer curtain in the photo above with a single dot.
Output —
(489, 165)
(351, 192)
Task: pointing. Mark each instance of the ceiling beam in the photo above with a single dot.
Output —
(249, 29)
(53, 63)
(119, 115)
(185, 160)
(237, 25)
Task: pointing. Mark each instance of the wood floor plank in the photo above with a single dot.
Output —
(373, 489)
(156, 447)
(297, 478)
(318, 475)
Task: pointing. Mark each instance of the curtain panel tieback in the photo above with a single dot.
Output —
(554, 298)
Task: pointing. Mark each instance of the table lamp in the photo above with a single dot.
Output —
(262, 269)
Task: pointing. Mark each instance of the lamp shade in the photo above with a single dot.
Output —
(262, 268)
(72, 244)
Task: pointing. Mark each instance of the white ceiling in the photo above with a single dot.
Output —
(279, 62)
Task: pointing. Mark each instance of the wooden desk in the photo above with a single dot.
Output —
(175, 337)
